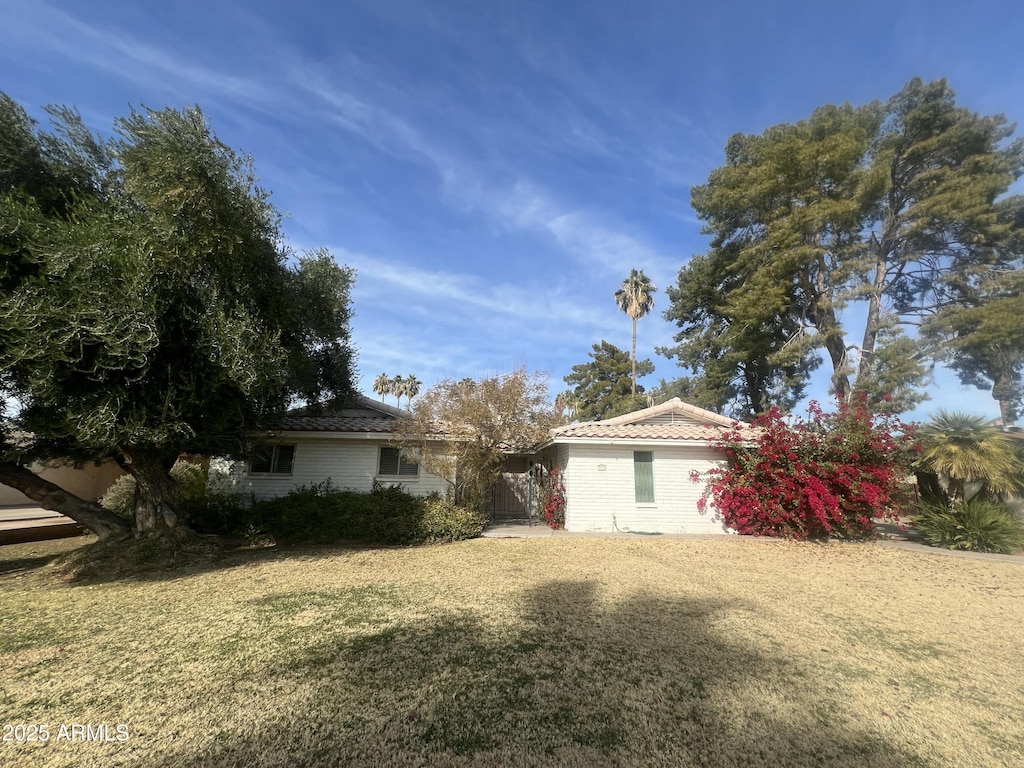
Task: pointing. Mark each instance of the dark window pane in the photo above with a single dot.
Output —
(284, 459)
(262, 459)
(388, 461)
(408, 468)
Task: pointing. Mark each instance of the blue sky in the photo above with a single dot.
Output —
(493, 170)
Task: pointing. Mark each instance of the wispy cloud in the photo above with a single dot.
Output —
(376, 125)
(508, 162)
(588, 242)
(117, 52)
(500, 302)
(518, 205)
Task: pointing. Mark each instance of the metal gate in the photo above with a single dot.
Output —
(510, 492)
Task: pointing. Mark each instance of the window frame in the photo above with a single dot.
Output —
(637, 464)
(275, 460)
(402, 462)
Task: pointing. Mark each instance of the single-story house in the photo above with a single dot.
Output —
(352, 447)
(632, 473)
(629, 474)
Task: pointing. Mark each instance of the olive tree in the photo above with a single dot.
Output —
(149, 307)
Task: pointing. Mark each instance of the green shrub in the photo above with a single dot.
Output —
(319, 514)
(191, 478)
(445, 521)
(979, 525)
(207, 511)
(120, 497)
(387, 515)
(217, 512)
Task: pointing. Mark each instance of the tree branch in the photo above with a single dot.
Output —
(100, 521)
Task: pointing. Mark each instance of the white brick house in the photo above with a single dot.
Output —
(351, 447)
(629, 474)
(632, 473)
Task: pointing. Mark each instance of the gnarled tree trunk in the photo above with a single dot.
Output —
(1003, 390)
(154, 490)
(100, 521)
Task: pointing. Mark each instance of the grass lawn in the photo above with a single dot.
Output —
(552, 651)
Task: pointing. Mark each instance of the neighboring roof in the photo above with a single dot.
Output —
(671, 420)
(359, 414)
(1010, 430)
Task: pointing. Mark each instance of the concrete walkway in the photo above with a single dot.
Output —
(522, 529)
(23, 523)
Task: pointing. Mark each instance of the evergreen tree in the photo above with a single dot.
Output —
(602, 388)
(148, 307)
(978, 331)
(878, 204)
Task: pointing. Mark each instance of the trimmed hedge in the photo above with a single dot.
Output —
(387, 515)
(316, 514)
(444, 521)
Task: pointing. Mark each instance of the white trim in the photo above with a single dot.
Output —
(627, 441)
(325, 434)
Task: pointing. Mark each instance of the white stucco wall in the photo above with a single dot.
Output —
(350, 464)
(601, 494)
(89, 481)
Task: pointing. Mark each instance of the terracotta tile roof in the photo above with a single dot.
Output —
(359, 414)
(596, 429)
(671, 420)
(673, 406)
(338, 424)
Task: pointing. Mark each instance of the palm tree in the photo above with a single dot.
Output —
(382, 385)
(397, 389)
(636, 299)
(412, 388)
(567, 403)
(963, 450)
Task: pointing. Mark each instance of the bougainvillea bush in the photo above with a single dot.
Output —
(552, 499)
(826, 476)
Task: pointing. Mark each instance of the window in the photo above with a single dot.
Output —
(643, 474)
(393, 463)
(272, 460)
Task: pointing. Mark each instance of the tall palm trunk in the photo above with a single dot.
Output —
(633, 392)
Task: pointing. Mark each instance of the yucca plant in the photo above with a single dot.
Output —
(978, 525)
(964, 450)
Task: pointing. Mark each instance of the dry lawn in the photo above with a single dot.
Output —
(553, 651)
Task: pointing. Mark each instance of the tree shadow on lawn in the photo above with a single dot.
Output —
(572, 681)
(164, 558)
(25, 557)
(23, 565)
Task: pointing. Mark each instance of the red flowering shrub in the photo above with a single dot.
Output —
(552, 499)
(826, 476)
